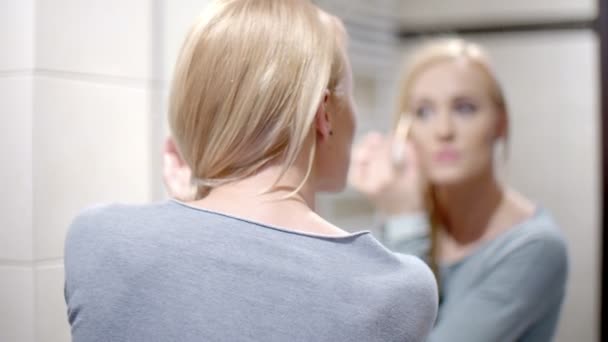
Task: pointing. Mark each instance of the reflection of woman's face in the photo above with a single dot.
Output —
(455, 121)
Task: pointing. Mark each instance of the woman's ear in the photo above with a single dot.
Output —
(170, 151)
(323, 125)
(176, 173)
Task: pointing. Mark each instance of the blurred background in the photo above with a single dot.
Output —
(83, 89)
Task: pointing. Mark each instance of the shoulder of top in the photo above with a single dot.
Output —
(416, 284)
(541, 228)
(118, 209)
(86, 225)
(411, 261)
(96, 216)
(416, 270)
(107, 219)
(539, 236)
(97, 211)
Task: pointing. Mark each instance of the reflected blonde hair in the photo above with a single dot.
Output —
(442, 50)
(428, 55)
(247, 85)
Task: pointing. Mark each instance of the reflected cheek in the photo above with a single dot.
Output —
(426, 161)
(486, 152)
(479, 156)
(423, 148)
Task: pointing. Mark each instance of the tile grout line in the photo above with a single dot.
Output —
(131, 82)
(16, 73)
(101, 79)
(43, 263)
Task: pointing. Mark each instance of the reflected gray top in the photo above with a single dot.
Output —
(510, 289)
(171, 272)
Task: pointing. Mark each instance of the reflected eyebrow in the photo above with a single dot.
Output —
(422, 101)
(463, 98)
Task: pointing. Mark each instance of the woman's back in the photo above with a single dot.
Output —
(171, 272)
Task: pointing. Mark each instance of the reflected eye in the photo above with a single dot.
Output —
(465, 108)
(423, 112)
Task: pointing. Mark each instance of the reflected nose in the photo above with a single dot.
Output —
(444, 126)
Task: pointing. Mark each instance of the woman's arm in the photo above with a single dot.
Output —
(408, 234)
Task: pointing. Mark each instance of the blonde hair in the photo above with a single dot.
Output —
(430, 54)
(442, 50)
(247, 85)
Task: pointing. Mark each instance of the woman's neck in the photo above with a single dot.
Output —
(470, 208)
(255, 199)
(261, 189)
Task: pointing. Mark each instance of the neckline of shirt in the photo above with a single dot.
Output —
(336, 238)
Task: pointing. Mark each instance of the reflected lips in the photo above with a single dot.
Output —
(446, 156)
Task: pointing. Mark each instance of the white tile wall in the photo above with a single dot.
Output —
(159, 130)
(91, 144)
(16, 304)
(79, 93)
(430, 13)
(111, 38)
(16, 35)
(16, 173)
(50, 310)
(16, 276)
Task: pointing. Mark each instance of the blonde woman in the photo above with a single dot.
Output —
(499, 258)
(261, 111)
